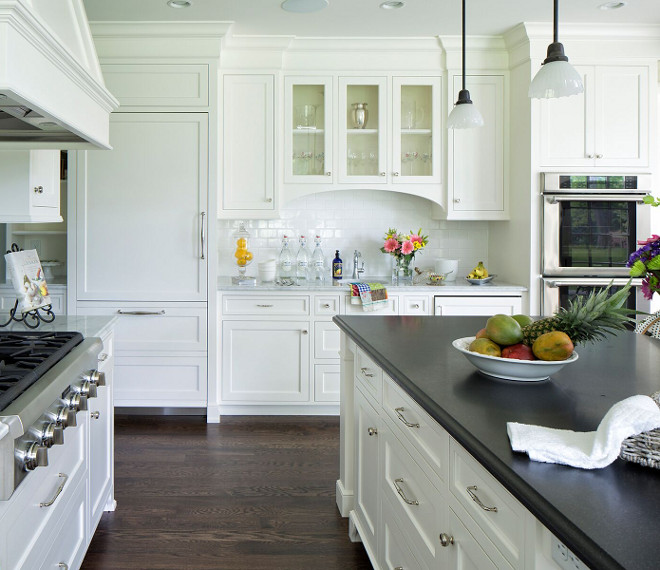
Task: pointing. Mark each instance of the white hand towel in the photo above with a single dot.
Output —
(587, 450)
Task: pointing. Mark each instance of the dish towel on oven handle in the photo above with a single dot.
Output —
(587, 450)
(373, 296)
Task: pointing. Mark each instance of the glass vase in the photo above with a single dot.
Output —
(402, 271)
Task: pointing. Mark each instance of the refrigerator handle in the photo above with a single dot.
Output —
(201, 237)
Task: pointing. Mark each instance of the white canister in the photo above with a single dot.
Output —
(449, 266)
(267, 270)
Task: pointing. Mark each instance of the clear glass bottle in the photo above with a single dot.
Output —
(285, 260)
(318, 263)
(302, 262)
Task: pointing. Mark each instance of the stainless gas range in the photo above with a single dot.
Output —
(45, 379)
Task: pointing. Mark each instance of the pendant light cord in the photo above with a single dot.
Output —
(463, 29)
(555, 33)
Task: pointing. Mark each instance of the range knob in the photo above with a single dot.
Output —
(47, 433)
(75, 401)
(31, 455)
(85, 388)
(63, 416)
(95, 377)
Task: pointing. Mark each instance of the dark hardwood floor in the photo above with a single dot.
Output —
(250, 493)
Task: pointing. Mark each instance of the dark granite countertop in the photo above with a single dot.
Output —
(608, 517)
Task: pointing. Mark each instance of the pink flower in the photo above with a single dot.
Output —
(391, 245)
(418, 239)
(407, 247)
(650, 240)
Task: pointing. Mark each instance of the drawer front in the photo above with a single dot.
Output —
(415, 305)
(395, 551)
(149, 85)
(419, 506)
(483, 306)
(326, 382)
(369, 375)
(479, 493)
(32, 522)
(326, 305)
(392, 307)
(165, 327)
(266, 305)
(417, 427)
(68, 549)
(326, 340)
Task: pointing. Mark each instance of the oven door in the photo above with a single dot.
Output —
(557, 292)
(592, 235)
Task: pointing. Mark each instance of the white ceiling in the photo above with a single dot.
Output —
(364, 18)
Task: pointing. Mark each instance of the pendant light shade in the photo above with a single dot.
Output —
(464, 115)
(557, 77)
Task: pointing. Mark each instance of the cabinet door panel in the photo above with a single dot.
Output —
(326, 340)
(139, 210)
(477, 306)
(326, 383)
(621, 116)
(284, 346)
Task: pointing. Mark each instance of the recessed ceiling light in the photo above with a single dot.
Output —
(304, 6)
(179, 3)
(612, 5)
(392, 5)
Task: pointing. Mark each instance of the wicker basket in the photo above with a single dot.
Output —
(645, 447)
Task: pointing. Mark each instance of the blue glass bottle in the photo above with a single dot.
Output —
(337, 266)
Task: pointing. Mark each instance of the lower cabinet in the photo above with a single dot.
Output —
(420, 499)
(482, 306)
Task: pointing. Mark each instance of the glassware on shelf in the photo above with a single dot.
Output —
(242, 254)
(409, 158)
(411, 114)
(305, 116)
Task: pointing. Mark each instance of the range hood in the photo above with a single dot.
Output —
(52, 93)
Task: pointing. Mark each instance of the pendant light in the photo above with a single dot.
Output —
(557, 77)
(464, 115)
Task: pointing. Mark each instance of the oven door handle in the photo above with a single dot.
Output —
(591, 281)
(554, 198)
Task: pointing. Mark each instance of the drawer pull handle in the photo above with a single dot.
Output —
(95, 415)
(415, 306)
(399, 490)
(399, 568)
(403, 419)
(140, 313)
(476, 499)
(58, 492)
(63, 565)
(446, 540)
(365, 373)
(103, 357)
(372, 431)
(264, 306)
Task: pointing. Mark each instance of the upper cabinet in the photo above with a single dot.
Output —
(345, 132)
(30, 186)
(477, 158)
(606, 126)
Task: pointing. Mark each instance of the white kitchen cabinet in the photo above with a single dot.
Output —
(326, 383)
(248, 156)
(477, 158)
(30, 186)
(266, 361)
(606, 126)
(485, 306)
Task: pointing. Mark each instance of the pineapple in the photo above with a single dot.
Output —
(586, 318)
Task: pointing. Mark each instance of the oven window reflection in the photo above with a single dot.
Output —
(568, 293)
(597, 234)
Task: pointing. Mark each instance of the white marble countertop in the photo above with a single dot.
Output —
(449, 288)
(86, 325)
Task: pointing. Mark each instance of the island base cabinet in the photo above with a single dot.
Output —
(395, 552)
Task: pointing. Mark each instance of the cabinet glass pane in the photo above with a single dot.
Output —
(416, 132)
(362, 120)
(308, 130)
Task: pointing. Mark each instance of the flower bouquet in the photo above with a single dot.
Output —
(645, 262)
(403, 248)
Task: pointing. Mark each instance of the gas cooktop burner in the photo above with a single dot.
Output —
(26, 356)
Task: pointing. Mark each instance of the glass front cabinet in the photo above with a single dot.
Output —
(385, 133)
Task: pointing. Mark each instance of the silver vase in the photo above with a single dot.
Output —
(360, 115)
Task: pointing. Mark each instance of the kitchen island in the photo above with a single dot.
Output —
(607, 517)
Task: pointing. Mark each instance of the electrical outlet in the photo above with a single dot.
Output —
(36, 244)
(564, 557)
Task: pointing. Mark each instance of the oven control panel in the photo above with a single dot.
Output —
(606, 183)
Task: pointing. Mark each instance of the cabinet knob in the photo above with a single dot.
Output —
(372, 431)
(590, 156)
(599, 156)
(39, 189)
(383, 173)
(457, 200)
(395, 174)
(446, 540)
(95, 415)
(328, 173)
(415, 306)
(269, 200)
(325, 305)
(304, 331)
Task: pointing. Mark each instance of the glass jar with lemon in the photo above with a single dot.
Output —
(242, 254)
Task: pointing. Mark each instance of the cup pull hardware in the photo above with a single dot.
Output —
(471, 491)
(365, 373)
(140, 313)
(372, 431)
(58, 492)
(403, 419)
(397, 486)
(446, 540)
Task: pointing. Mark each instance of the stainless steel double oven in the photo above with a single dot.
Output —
(591, 225)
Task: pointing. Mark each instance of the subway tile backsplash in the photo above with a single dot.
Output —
(350, 220)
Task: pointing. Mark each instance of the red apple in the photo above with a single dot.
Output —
(519, 352)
